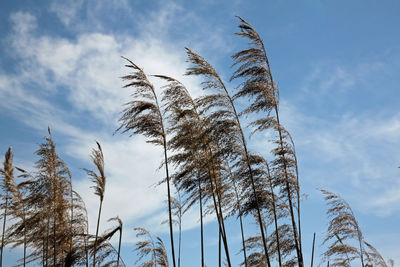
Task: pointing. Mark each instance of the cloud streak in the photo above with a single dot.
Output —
(73, 85)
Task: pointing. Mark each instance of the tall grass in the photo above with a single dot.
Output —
(206, 144)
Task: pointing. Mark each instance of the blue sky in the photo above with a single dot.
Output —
(336, 63)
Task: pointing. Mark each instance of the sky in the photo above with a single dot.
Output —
(336, 64)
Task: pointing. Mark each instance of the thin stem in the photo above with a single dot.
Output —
(201, 225)
(171, 231)
(219, 249)
(240, 214)
(72, 215)
(275, 216)
(361, 248)
(169, 202)
(119, 244)
(312, 253)
(296, 239)
(4, 230)
(287, 185)
(97, 233)
(25, 228)
(297, 190)
(180, 229)
(220, 218)
(222, 228)
(85, 238)
(54, 240)
(250, 169)
(47, 238)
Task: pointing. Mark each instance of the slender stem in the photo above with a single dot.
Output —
(86, 251)
(219, 249)
(265, 229)
(247, 158)
(4, 230)
(296, 238)
(359, 236)
(171, 231)
(275, 216)
(54, 241)
(312, 253)
(72, 216)
(223, 233)
(119, 244)
(25, 229)
(220, 218)
(97, 233)
(243, 240)
(297, 191)
(201, 225)
(24, 249)
(47, 238)
(240, 215)
(85, 240)
(361, 247)
(221, 214)
(180, 229)
(214, 190)
(289, 195)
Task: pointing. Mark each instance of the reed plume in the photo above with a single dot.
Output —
(42, 206)
(18, 209)
(143, 115)
(214, 170)
(106, 254)
(258, 84)
(273, 209)
(7, 173)
(150, 252)
(195, 157)
(119, 228)
(99, 186)
(373, 257)
(342, 229)
(225, 124)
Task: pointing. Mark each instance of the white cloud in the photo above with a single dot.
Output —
(336, 78)
(89, 67)
(23, 22)
(130, 169)
(354, 155)
(85, 71)
(66, 11)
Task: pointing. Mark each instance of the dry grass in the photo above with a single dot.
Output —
(205, 141)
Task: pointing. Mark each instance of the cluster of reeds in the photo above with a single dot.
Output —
(47, 218)
(206, 144)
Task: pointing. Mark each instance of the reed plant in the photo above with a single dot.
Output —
(207, 159)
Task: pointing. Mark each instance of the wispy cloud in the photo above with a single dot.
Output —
(348, 150)
(73, 85)
(60, 82)
(67, 12)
